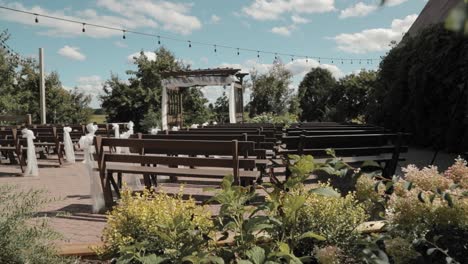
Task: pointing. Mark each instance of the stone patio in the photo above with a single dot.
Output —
(71, 213)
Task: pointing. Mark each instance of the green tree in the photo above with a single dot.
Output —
(19, 89)
(141, 96)
(221, 109)
(194, 106)
(270, 91)
(315, 95)
(350, 96)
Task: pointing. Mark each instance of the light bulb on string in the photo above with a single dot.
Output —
(307, 59)
(83, 29)
(159, 40)
(341, 61)
(319, 60)
(123, 36)
(331, 61)
(37, 19)
(189, 44)
(292, 58)
(351, 61)
(258, 54)
(276, 56)
(215, 48)
(238, 52)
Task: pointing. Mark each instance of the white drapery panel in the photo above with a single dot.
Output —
(86, 143)
(68, 145)
(32, 169)
(132, 180)
(190, 81)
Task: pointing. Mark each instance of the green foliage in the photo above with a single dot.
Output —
(314, 94)
(19, 89)
(155, 226)
(194, 106)
(23, 237)
(422, 88)
(270, 91)
(221, 109)
(151, 120)
(269, 118)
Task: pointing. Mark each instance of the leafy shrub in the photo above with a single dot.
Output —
(286, 119)
(24, 238)
(155, 225)
(426, 214)
(151, 120)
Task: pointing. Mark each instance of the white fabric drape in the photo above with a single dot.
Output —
(190, 81)
(164, 109)
(116, 135)
(232, 104)
(132, 180)
(204, 124)
(175, 128)
(68, 145)
(86, 143)
(154, 130)
(32, 169)
(194, 126)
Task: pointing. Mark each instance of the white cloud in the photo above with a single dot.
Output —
(215, 19)
(394, 2)
(283, 31)
(273, 9)
(72, 53)
(299, 20)
(377, 39)
(149, 54)
(120, 44)
(358, 10)
(91, 85)
(174, 17)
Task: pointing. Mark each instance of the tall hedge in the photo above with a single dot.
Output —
(423, 89)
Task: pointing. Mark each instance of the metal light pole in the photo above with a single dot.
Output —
(42, 87)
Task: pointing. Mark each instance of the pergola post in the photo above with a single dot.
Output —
(232, 103)
(164, 108)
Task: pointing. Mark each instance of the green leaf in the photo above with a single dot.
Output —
(313, 235)
(408, 185)
(430, 251)
(448, 198)
(421, 197)
(370, 164)
(283, 247)
(325, 191)
(151, 259)
(256, 255)
(330, 152)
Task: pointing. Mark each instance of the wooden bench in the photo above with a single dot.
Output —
(320, 132)
(16, 119)
(10, 147)
(47, 139)
(152, 153)
(353, 148)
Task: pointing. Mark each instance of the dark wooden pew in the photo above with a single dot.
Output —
(47, 140)
(152, 153)
(10, 147)
(354, 148)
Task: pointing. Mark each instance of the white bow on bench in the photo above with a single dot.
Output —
(68, 145)
(86, 143)
(32, 169)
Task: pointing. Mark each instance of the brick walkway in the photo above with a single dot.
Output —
(70, 184)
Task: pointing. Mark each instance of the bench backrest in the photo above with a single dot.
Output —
(320, 132)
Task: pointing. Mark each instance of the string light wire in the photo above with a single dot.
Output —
(159, 37)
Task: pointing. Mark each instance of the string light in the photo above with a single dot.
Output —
(351, 61)
(124, 31)
(292, 58)
(215, 48)
(307, 59)
(189, 44)
(319, 60)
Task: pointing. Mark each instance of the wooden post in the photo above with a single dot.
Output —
(42, 101)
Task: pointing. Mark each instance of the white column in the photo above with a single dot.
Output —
(232, 104)
(164, 108)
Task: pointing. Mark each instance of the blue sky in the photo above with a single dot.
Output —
(317, 28)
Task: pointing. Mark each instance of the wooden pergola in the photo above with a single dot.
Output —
(174, 81)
